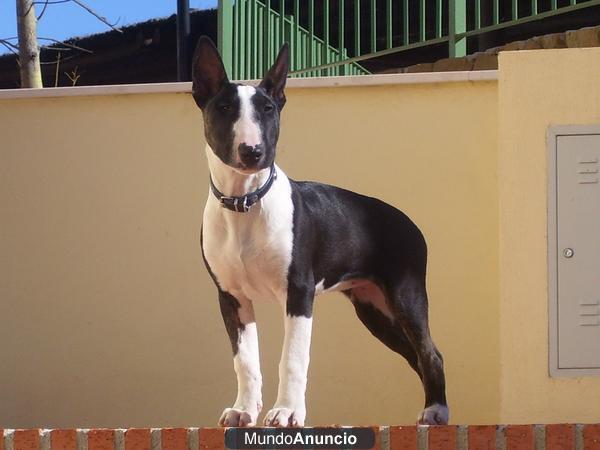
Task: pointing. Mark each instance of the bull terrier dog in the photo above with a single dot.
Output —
(266, 237)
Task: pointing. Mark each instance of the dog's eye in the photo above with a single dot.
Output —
(225, 107)
(268, 107)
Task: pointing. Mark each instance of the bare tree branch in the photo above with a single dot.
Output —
(74, 76)
(11, 47)
(56, 71)
(26, 12)
(6, 41)
(43, 9)
(55, 48)
(77, 2)
(66, 44)
(50, 63)
(96, 15)
(28, 49)
(45, 3)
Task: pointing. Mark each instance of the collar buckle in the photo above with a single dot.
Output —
(237, 204)
(244, 203)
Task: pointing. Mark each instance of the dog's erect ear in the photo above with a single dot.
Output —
(208, 72)
(274, 80)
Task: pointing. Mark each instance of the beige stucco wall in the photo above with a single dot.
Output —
(108, 317)
(536, 89)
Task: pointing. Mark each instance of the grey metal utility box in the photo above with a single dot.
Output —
(574, 250)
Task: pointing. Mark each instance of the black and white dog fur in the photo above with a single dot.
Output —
(266, 237)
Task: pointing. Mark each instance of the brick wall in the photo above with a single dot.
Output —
(509, 437)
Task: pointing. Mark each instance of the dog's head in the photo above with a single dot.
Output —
(241, 123)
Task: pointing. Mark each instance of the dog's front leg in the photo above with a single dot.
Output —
(241, 327)
(290, 407)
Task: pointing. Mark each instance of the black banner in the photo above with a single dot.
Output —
(299, 438)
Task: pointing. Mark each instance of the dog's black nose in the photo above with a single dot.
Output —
(250, 154)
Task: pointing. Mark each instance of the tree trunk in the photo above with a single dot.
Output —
(29, 53)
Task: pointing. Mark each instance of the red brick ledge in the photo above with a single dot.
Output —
(459, 437)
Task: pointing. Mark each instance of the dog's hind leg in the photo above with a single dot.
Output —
(400, 322)
(410, 309)
(241, 328)
(384, 329)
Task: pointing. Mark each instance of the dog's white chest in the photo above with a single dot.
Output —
(250, 253)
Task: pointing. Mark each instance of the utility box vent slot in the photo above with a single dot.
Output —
(574, 250)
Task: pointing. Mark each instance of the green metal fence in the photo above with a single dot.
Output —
(251, 33)
(332, 37)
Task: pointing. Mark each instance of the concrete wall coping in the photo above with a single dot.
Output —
(318, 82)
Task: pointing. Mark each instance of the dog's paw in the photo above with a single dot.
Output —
(434, 415)
(233, 417)
(285, 417)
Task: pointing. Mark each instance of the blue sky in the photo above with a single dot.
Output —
(64, 20)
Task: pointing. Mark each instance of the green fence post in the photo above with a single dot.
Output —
(405, 22)
(295, 41)
(225, 34)
(438, 18)
(281, 26)
(374, 26)
(422, 21)
(249, 33)
(389, 10)
(267, 32)
(357, 28)
(240, 44)
(496, 12)
(341, 34)
(311, 34)
(457, 25)
(327, 55)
